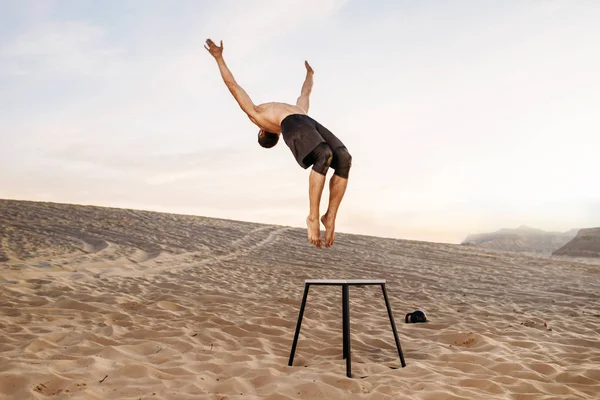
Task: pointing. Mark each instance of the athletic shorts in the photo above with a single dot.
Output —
(302, 135)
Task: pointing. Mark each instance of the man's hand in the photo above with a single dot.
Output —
(309, 69)
(213, 49)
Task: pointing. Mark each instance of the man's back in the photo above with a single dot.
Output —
(269, 115)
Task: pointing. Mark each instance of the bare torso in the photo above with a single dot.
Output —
(270, 115)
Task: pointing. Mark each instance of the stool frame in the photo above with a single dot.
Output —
(345, 284)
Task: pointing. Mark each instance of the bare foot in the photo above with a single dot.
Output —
(329, 230)
(314, 234)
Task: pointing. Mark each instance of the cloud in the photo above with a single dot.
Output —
(65, 48)
(255, 25)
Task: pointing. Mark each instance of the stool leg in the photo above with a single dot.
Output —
(346, 308)
(389, 310)
(344, 318)
(298, 324)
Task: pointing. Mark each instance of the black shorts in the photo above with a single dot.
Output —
(321, 158)
(302, 135)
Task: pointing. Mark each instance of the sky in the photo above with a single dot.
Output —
(461, 116)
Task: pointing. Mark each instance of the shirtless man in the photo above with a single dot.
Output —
(310, 142)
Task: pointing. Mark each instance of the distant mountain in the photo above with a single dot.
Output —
(585, 244)
(522, 239)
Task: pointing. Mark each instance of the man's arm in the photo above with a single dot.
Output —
(303, 101)
(236, 90)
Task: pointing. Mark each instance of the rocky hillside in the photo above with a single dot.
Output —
(522, 239)
(585, 244)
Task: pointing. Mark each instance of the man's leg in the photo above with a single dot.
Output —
(322, 156)
(337, 187)
(316, 182)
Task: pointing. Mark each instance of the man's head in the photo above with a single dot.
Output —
(267, 139)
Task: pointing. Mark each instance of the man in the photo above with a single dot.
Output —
(310, 142)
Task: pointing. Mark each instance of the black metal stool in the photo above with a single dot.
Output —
(345, 284)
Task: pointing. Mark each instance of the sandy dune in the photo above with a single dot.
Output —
(100, 303)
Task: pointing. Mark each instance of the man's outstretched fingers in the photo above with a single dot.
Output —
(211, 43)
(213, 49)
(308, 67)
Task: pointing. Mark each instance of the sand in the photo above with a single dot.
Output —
(118, 304)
